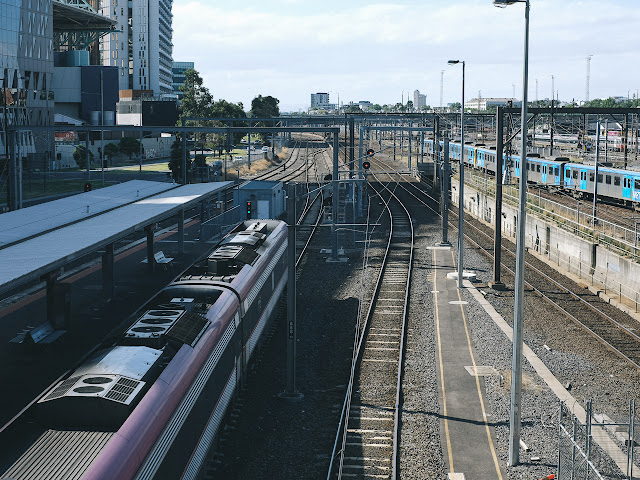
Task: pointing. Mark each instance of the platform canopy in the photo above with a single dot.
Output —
(31, 259)
(20, 225)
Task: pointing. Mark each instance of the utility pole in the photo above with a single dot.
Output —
(586, 96)
(441, 88)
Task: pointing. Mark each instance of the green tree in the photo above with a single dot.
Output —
(410, 105)
(196, 100)
(354, 109)
(80, 156)
(455, 106)
(110, 151)
(175, 164)
(130, 146)
(264, 107)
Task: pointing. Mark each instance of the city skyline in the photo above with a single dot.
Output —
(382, 52)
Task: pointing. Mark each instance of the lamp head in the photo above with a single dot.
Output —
(505, 3)
(453, 62)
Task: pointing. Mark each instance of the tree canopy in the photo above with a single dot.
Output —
(264, 107)
(130, 146)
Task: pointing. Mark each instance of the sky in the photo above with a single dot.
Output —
(380, 50)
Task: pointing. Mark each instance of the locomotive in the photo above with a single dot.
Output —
(149, 405)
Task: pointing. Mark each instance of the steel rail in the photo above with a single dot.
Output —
(590, 330)
(344, 416)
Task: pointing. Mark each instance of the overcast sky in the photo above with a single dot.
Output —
(375, 50)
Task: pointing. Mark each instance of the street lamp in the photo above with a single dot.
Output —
(461, 189)
(516, 364)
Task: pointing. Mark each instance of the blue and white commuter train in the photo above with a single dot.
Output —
(619, 185)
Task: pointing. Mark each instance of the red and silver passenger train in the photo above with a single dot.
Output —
(150, 405)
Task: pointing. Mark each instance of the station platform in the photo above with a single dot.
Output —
(467, 434)
(467, 430)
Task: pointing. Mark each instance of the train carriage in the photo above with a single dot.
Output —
(149, 405)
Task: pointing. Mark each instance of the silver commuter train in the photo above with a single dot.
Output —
(150, 405)
(619, 185)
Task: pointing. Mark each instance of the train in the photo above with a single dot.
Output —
(149, 404)
(614, 184)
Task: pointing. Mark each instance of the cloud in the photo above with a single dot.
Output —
(373, 51)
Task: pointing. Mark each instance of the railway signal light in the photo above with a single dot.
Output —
(370, 152)
(366, 164)
(87, 187)
(248, 210)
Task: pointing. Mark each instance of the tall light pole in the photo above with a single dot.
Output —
(461, 186)
(516, 363)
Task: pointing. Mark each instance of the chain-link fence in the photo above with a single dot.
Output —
(575, 447)
(580, 458)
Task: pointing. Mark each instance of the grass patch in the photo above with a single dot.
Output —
(54, 187)
(150, 167)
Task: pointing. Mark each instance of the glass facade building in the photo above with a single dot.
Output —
(178, 76)
(26, 68)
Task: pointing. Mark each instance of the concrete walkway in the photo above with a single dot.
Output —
(467, 434)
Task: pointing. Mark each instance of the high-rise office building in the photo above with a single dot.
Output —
(319, 100)
(419, 100)
(26, 69)
(178, 76)
(141, 45)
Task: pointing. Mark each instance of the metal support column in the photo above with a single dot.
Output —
(435, 156)
(51, 279)
(626, 138)
(181, 232)
(444, 194)
(87, 156)
(595, 179)
(409, 142)
(291, 389)
(150, 237)
(351, 146)
(108, 284)
(360, 160)
(497, 244)
(184, 156)
(515, 412)
(334, 199)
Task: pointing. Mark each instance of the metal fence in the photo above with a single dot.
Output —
(614, 237)
(578, 219)
(577, 457)
(220, 225)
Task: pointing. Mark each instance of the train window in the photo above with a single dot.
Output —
(575, 174)
(599, 178)
(616, 181)
(567, 173)
(607, 180)
(538, 168)
(557, 171)
(637, 184)
(591, 175)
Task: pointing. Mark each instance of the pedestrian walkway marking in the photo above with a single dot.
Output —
(455, 476)
(481, 370)
(458, 302)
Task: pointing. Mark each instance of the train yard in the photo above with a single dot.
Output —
(368, 339)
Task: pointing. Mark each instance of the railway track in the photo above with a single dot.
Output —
(607, 324)
(366, 444)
